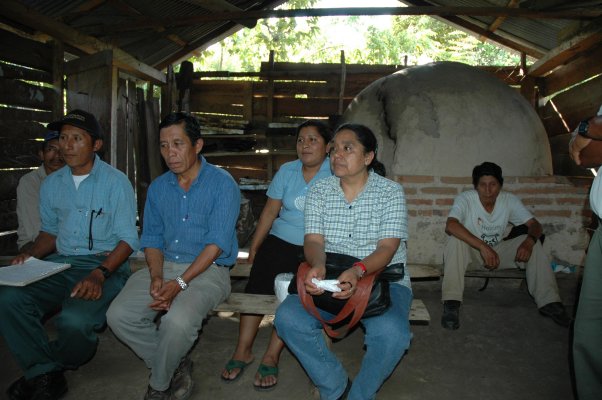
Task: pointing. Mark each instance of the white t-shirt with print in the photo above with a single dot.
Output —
(488, 227)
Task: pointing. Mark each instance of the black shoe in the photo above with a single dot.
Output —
(152, 394)
(451, 314)
(557, 312)
(50, 386)
(181, 383)
(21, 389)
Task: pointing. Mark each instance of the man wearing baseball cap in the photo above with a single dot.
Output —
(28, 191)
(88, 217)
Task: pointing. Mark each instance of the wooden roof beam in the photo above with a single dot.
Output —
(500, 20)
(568, 50)
(16, 11)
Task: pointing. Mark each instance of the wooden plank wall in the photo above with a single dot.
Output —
(572, 93)
(298, 90)
(290, 92)
(30, 97)
(284, 93)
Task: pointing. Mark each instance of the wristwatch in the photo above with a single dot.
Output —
(105, 271)
(583, 129)
(181, 282)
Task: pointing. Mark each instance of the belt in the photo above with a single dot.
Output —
(227, 266)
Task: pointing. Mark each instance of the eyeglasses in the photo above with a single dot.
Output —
(92, 217)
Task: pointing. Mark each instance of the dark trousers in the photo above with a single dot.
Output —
(22, 309)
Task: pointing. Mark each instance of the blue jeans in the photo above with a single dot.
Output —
(386, 339)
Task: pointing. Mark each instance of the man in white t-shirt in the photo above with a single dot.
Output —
(476, 225)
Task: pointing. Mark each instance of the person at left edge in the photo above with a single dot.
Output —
(28, 191)
(88, 215)
(189, 241)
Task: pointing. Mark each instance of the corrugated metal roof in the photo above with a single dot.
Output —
(140, 27)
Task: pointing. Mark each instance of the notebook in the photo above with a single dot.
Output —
(30, 271)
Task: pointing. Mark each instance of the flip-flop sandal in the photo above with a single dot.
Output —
(233, 364)
(263, 371)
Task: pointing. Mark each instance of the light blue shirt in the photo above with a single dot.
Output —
(290, 187)
(181, 224)
(378, 212)
(66, 212)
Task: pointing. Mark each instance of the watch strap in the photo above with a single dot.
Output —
(180, 281)
(583, 129)
(105, 271)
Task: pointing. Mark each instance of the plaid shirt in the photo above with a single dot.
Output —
(355, 228)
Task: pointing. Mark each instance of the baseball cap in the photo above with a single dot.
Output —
(50, 135)
(80, 119)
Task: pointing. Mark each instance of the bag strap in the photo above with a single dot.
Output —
(355, 305)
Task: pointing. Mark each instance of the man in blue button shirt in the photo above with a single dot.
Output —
(189, 241)
(88, 214)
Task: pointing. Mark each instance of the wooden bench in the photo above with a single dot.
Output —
(267, 304)
(512, 273)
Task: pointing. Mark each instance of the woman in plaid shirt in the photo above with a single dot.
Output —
(360, 213)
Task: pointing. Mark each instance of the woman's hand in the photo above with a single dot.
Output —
(348, 284)
(251, 257)
(310, 287)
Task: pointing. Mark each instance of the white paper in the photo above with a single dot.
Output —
(30, 271)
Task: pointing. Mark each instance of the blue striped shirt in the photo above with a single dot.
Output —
(378, 212)
(66, 212)
(181, 224)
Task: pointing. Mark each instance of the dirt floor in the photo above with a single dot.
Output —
(503, 350)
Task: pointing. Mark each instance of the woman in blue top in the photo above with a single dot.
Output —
(277, 245)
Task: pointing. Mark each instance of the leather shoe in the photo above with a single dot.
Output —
(181, 383)
(50, 386)
(20, 389)
(557, 312)
(451, 314)
(153, 394)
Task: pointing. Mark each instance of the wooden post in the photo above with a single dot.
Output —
(114, 134)
(270, 99)
(184, 82)
(270, 115)
(58, 106)
(342, 84)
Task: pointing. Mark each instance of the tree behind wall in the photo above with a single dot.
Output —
(412, 39)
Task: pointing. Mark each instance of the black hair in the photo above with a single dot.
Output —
(367, 138)
(322, 128)
(192, 127)
(489, 169)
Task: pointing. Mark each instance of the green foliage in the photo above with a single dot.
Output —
(423, 39)
(288, 37)
(414, 39)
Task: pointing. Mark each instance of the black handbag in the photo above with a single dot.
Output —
(370, 299)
